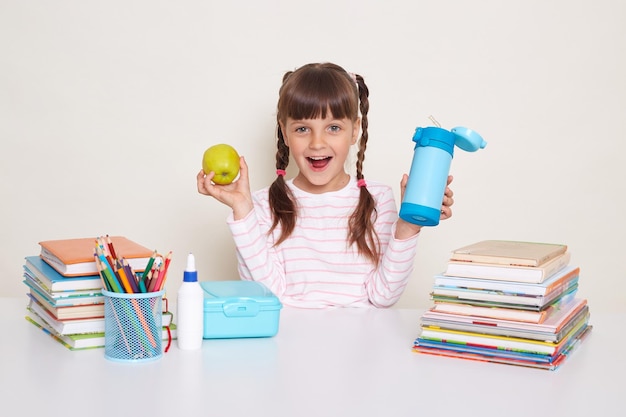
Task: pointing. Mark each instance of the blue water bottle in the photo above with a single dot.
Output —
(434, 148)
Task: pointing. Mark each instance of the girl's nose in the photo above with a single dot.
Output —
(317, 140)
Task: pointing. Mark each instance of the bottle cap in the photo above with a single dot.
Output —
(434, 137)
(468, 139)
(190, 274)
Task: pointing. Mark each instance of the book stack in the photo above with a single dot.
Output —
(506, 302)
(65, 290)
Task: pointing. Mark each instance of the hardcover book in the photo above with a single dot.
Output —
(504, 357)
(553, 328)
(80, 311)
(529, 274)
(87, 340)
(507, 252)
(496, 342)
(39, 270)
(65, 298)
(500, 313)
(75, 257)
(499, 298)
(67, 327)
(564, 277)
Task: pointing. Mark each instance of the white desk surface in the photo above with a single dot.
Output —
(347, 362)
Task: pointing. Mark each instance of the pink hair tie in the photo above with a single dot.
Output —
(280, 172)
(361, 183)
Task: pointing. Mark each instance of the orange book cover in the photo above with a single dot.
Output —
(74, 256)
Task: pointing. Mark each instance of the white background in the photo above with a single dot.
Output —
(107, 107)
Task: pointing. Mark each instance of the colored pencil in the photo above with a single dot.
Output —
(132, 279)
(142, 282)
(108, 271)
(111, 248)
(163, 272)
(125, 281)
(105, 284)
(152, 278)
(150, 263)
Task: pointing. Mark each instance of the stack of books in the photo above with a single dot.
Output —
(65, 290)
(507, 302)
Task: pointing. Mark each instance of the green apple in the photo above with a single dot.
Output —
(224, 161)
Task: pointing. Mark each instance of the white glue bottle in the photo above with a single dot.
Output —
(190, 309)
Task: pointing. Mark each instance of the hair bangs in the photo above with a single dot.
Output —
(313, 94)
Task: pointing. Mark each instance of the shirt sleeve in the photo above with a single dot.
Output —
(388, 281)
(257, 258)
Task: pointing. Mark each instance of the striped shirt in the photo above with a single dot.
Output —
(315, 267)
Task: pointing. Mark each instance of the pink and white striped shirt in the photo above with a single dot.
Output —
(314, 267)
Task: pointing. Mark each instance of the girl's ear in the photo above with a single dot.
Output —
(356, 127)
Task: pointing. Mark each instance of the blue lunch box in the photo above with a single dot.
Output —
(234, 309)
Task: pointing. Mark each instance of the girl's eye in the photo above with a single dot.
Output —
(301, 129)
(335, 128)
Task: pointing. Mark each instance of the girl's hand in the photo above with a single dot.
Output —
(448, 201)
(235, 195)
(405, 230)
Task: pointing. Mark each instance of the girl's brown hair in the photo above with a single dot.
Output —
(309, 93)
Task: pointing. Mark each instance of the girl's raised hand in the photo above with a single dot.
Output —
(448, 201)
(405, 229)
(235, 195)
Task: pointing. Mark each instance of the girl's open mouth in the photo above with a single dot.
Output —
(319, 163)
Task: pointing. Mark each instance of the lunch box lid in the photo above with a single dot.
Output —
(238, 298)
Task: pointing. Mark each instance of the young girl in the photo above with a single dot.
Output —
(324, 238)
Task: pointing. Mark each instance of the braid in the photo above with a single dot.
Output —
(281, 199)
(282, 154)
(361, 222)
(364, 107)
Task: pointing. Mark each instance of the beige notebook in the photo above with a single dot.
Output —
(508, 252)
